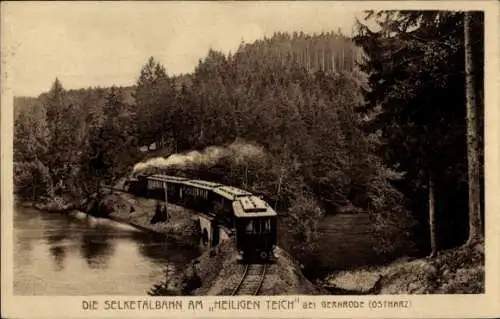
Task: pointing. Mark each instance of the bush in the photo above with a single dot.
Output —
(31, 180)
(167, 286)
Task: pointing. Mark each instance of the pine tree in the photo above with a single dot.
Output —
(416, 67)
(475, 231)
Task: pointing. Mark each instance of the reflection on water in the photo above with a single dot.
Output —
(56, 254)
(96, 249)
(57, 250)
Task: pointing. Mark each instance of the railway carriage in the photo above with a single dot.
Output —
(250, 217)
(198, 194)
(174, 188)
(224, 196)
(156, 187)
(255, 223)
(171, 187)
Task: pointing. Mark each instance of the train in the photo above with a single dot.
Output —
(253, 222)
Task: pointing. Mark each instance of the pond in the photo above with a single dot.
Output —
(59, 254)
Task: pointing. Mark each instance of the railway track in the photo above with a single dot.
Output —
(114, 189)
(251, 280)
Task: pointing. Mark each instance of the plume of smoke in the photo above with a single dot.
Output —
(238, 151)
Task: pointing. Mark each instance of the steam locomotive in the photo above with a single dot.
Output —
(250, 218)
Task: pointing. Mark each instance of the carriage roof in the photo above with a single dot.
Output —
(201, 184)
(252, 206)
(168, 178)
(230, 192)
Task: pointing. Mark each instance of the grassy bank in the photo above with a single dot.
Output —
(140, 211)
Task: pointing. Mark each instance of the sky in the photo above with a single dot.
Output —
(102, 44)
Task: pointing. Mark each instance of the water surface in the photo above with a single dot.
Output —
(57, 254)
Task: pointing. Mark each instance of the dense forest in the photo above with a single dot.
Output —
(374, 124)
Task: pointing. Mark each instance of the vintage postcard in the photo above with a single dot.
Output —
(250, 159)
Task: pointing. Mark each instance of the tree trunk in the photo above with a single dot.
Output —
(246, 176)
(34, 187)
(432, 218)
(279, 188)
(475, 233)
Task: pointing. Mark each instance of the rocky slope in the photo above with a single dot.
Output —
(459, 270)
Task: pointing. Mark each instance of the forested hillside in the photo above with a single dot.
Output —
(431, 124)
(344, 126)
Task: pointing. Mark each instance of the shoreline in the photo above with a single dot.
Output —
(74, 209)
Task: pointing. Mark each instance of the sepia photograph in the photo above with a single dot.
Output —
(188, 149)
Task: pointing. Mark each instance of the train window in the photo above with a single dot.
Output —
(258, 226)
(267, 225)
(249, 227)
(261, 226)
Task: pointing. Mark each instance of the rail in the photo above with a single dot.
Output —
(251, 281)
(114, 189)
